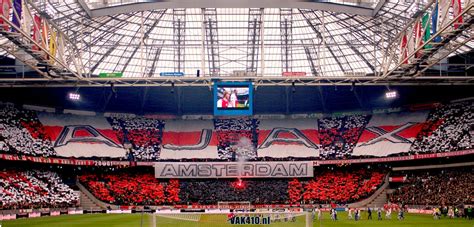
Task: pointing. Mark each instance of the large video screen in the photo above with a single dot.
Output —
(233, 98)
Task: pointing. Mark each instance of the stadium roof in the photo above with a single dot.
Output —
(223, 41)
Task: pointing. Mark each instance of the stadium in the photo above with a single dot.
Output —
(218, 113)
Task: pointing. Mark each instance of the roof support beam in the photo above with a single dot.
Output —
(109, 51)
(125, 64)
(179, 33)
(324, 27)
(286, 39)
(156, 52)
(423, 80)
(253, 38)
(173, 4)
(145, 36)
(305, 13)
(212, 39)
(311, 55)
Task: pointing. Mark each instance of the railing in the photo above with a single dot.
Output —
(48, 45)
(96, 4)
(420, 39)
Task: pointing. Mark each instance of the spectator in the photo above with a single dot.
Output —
(34, 189)
(237, 138)
(131, 189)
(342, 186)
(22, 133)
(448, 128)
(256, 191)
(144, 135)
(435, 187)
(339, 135)
(128, 188)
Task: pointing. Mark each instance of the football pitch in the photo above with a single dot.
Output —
(137, 220)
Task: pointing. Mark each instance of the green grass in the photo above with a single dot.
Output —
(127, 220)
(92, 220)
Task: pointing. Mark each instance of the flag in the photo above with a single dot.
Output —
(457, 9)
(52, 45)
(36, 32)
(81, 136)
(418, 38)
(17, 9)
(425, 23)
(5, 12)
(403, 48)
(44, 36)
(443, 14)
(434, 22)
(388, 134)
(410, 42)
(189, 139)
(27, 20)
(60, 47)
(288, 138)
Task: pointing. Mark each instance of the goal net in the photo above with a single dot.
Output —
(290, 219)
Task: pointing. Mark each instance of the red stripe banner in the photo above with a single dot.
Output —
(90, 162)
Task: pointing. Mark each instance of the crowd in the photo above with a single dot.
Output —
(131, 189)
(143, 134)
(256, 191)
(448, 128)
(339, 135)
(22, 133)
(437, 187)
(295, 191)
(145, 189)
(34, 189)
(237, 138)
(342, 186)
(332, 185)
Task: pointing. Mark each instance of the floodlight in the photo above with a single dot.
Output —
(74, 96)
(391, 94)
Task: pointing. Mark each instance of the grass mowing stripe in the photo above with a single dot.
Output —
(127, 220)
(113, 220)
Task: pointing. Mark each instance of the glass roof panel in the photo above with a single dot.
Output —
(144, 44)
(98, 4)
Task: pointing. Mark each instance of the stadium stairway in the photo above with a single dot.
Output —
(378, 199)
(89, 202)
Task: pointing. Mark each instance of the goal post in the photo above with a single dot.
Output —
(216, 219)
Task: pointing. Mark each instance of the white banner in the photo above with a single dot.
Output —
(233, 169)
(119, 211)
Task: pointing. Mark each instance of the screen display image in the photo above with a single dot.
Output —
(232, 98)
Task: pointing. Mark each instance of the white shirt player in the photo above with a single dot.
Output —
(233, 100)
